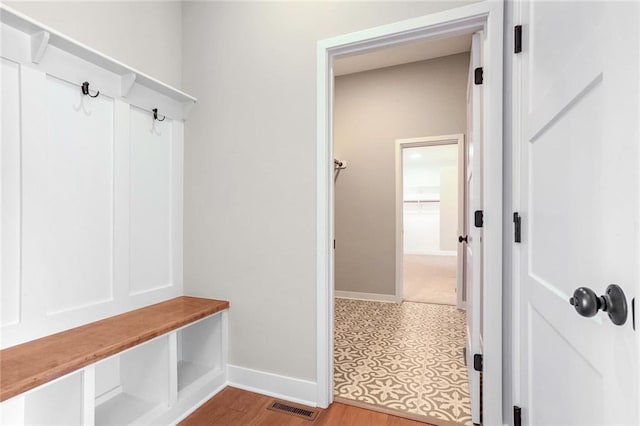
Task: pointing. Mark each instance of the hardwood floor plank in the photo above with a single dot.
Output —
(334, 415)
(236, 407)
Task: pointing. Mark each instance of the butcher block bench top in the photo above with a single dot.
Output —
(28, 365)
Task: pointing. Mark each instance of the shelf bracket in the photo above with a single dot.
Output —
(39, 43)
(126, 83)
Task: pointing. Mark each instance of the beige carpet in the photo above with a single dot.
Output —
(430, 279)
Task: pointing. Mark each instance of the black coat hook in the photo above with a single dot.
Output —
(155, 115)
(85, 90)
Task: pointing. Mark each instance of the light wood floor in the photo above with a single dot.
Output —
(235, 407)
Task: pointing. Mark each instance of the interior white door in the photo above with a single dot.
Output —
(473, 245)
(461, 290)
(578, 194)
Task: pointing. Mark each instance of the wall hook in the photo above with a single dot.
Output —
(155, 115)
(85, 90)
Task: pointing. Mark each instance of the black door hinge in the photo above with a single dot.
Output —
(517, 228)
(517, 39)
(517, 416)
(334, 244)
(478, 218)
(478, 75)
(633, 313)
(477, 362)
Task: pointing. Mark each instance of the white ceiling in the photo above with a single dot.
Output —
(402, 54)
(430, 156)
(421, 166)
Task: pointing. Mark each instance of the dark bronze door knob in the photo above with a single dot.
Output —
(461, 238)
(587, 303)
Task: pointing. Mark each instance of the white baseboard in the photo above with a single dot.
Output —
(282, 387)
(389, 298)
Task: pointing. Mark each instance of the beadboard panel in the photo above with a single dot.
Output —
(76, 180)
(10, 193)
(91, 198)
(151, 170)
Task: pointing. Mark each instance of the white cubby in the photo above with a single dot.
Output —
(12, 411)
(133, 386)
(199, 355)
(56, 403)
(156, 382)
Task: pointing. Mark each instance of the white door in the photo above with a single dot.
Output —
(578, 195)
(473, 245)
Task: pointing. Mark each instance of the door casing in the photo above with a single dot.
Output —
(483, 16)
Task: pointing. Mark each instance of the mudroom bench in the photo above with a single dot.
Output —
(152, 365)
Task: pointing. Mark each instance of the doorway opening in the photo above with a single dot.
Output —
(430, 219)
(485, 17)
(400, 337)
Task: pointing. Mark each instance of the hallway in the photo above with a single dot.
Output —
(406, 357)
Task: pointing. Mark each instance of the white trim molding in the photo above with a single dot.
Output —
(455, 139)
(486, 16)
(282, 387)
(375, 297)
(34, 44)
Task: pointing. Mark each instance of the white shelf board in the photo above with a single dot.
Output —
(29, 26)
(125, 409)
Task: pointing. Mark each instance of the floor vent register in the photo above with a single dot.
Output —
(295, 410)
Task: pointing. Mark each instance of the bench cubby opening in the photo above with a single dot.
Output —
(199, 347)
(133, 386)
(57, 403)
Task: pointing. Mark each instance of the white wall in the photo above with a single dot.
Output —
(421, 229)
(449, 208)
(430, 173)
(146, 35)
(253, 130)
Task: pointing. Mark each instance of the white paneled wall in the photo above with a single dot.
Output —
(150, 203)
(91, 190)
(75, 182)
(10, 191)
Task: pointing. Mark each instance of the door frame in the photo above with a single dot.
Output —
(483, 16)
(455, 139)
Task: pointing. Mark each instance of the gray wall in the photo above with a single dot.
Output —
(144, 35)
(250, 166)
(372, 110)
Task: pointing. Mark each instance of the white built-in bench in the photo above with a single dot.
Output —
(153, 365)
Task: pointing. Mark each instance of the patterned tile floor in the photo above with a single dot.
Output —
(407, 357)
